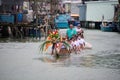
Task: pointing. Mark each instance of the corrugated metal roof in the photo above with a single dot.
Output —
(96, 2)
(79, 1)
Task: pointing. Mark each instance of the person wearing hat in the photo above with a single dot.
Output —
(79, 31)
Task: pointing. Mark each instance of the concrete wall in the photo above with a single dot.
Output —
(74, 8)
(82, 12)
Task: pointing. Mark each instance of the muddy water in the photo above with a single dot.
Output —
(101, 60)
(104, 54)
(21, 60)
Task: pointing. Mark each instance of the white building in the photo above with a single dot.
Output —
(72, 6)
(96, 10)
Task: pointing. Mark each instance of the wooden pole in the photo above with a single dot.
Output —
(46, 27)
(36, 12)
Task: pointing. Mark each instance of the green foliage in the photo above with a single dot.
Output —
(43, 45)
(66, 44)
(54, 36)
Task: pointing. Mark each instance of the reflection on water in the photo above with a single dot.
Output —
(21, 40)
(91, 60)
(53, 59)
(99, 59)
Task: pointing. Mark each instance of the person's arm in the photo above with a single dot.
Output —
(75, 32)
(67, 34)
(82, 31)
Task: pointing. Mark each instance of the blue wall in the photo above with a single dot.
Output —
(6, 18)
